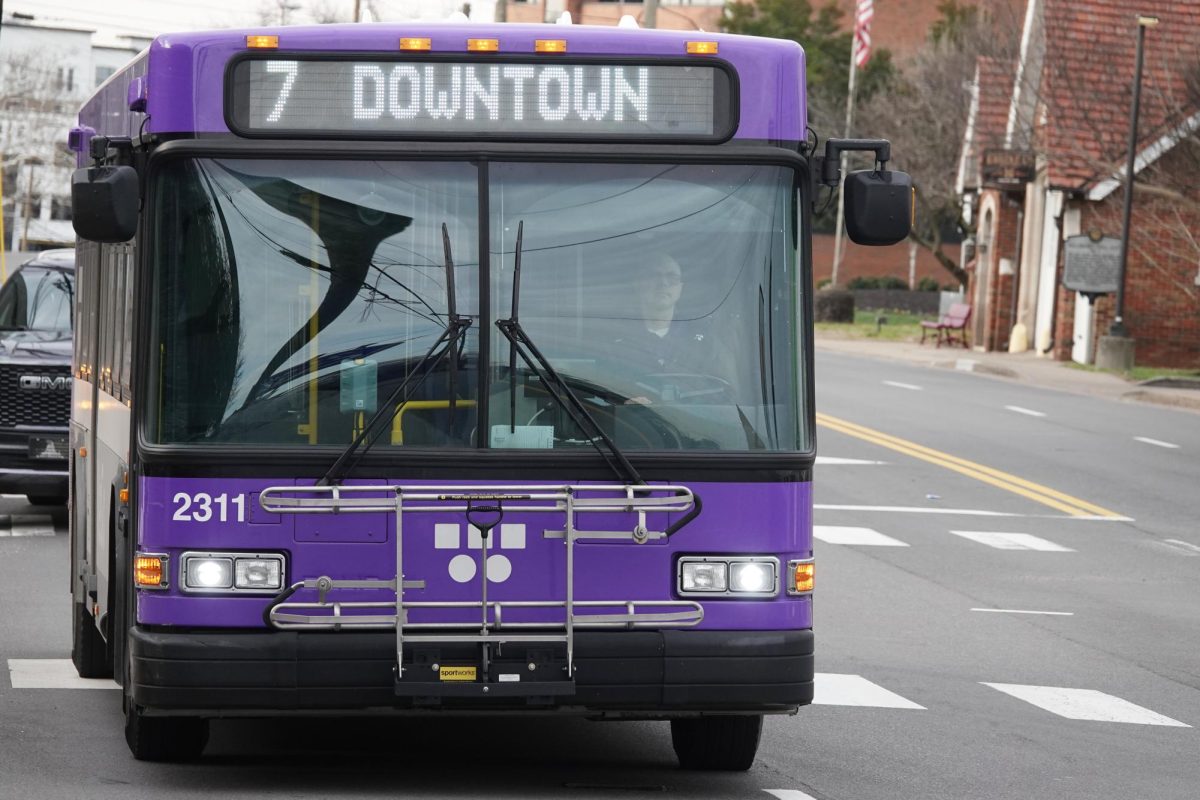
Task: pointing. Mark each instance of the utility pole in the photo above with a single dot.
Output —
(501, 10)
(27, 208)
(357, 10)
(1115, 351)
(650, 14)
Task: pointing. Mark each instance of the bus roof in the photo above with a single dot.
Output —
(179, 81)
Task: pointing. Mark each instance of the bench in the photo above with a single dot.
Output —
(953, 320)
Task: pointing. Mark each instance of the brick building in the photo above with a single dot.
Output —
(1067, 113)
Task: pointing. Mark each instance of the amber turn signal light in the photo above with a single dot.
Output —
(150, 571)
(800, 576)
(258, 41)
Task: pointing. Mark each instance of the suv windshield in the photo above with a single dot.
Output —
(292, 298)
(37, 299)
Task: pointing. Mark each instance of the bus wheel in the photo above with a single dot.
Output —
(164, 738)
(89, 651)
(716, 743)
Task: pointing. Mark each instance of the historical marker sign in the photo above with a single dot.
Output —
(1093, 264)
(1007, 169)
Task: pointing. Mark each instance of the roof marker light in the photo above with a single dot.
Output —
(483, 45)
(260, 41)
(550, 45)
(702, 48)
(415, 43)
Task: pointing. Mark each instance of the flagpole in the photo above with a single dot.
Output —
(841, 211)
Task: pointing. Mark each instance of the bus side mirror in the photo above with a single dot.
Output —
(879, 206)
(104, 203)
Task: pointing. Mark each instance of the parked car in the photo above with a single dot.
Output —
(36, 320)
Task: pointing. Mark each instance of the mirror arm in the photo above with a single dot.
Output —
(99, 146)
(831, 165)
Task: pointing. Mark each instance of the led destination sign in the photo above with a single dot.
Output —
(498, 99)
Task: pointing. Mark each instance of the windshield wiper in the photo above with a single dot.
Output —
(13, 328)
(447, 343)
(557, 387)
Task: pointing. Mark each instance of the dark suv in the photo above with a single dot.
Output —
(35, 377)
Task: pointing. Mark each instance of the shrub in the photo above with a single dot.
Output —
(877, 282)
(927, 284)
(821, 284)
(834, 305)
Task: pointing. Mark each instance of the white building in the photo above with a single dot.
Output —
(47, 71)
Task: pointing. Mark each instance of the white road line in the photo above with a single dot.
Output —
(831, 689)
(1027, 411)
(28, 525)
(789, 794)
(1013, 541)
(967, 512)
(1156, 442)
(1087, 704)
(51, 673)
(1019, 611)
(912, 387)
(831, 460)
(1187, 548)
(840, 534)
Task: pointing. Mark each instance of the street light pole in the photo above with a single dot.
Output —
(1118, 325)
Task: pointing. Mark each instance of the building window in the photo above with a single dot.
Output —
(60, 208)
(103, 73)
(66, 79)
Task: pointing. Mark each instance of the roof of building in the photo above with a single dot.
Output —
(989, 115)
(1087, 82)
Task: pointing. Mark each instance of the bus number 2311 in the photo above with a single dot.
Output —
(204, 507)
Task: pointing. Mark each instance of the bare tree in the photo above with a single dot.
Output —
(35, 113)
(924, 113)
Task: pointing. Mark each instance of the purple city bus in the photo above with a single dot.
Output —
(451, 368)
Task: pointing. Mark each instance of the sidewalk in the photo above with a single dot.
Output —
(1023, 367)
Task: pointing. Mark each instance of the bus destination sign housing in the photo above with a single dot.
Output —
(307, 96)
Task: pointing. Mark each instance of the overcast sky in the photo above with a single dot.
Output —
(149, 17)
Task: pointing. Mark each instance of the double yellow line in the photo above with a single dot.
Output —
(994, 477)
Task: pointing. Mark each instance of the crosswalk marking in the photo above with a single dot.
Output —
(51, 673)
(1013, 541)
(840, 534)
(853, 462)
(832, 689)
(1029, 412)
(18, 525)
(1085, 704)
(789, 794)
(912, 387)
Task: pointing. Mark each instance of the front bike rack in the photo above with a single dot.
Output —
(483, 507)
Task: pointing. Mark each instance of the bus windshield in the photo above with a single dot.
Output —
(293, 297)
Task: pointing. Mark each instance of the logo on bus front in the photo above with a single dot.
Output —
(37, 383)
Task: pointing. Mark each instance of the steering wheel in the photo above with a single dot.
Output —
(687, 387)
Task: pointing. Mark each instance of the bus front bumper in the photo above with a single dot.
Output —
(641, 674)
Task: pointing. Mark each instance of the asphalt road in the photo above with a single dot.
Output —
(942, 511)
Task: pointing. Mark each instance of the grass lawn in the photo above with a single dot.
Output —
(1141, 373)
(900, 326)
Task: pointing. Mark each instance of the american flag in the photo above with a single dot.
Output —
(862, 32)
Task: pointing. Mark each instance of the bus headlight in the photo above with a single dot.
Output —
(751, 576)
(208, 573)
(703, 576)
(260, 573)
(729, 576)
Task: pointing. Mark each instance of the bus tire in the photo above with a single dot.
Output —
(727, 743)
(164, 738)
(89, 651)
